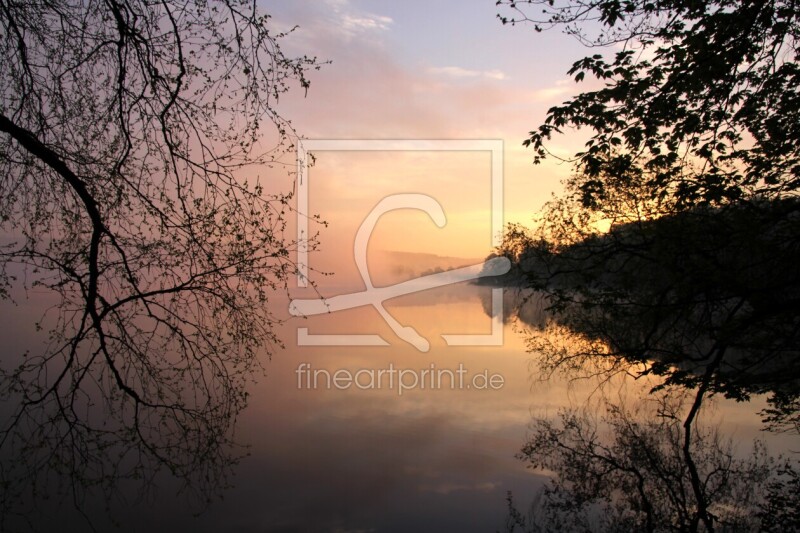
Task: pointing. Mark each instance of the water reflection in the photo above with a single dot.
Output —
(372, 460)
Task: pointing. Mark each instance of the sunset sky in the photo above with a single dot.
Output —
(425, 70)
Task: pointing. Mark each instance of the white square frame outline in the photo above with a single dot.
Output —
(305, 146)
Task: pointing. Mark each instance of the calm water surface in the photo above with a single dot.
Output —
(376, 460)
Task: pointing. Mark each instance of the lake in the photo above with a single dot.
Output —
(371, 455)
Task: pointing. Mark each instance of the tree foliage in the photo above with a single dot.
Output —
(132, 135)
(699, 101)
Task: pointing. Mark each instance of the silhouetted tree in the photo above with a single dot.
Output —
(699, 99)
(693, 162)
(132, 135)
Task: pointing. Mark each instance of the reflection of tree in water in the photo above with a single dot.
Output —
(700, 293)
(627, 469)
(705, 301)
